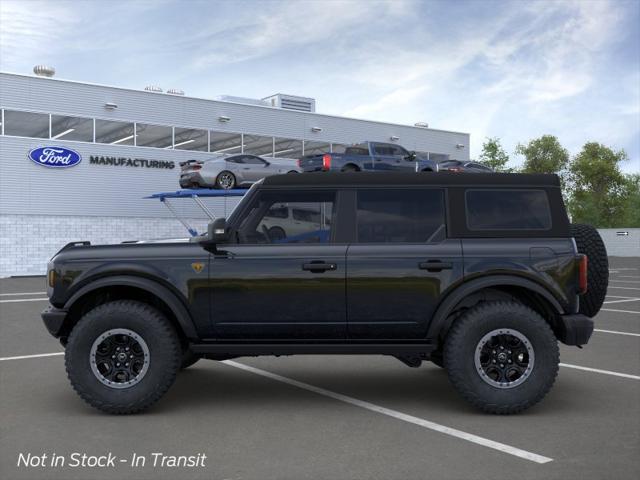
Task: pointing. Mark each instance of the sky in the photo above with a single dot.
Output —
(509, 69)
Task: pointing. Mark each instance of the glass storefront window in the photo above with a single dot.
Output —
(258, 145)
(287, 148)
(71, 128)
(157, 136)
(316, 148)
(26, 124)
(225, 143)
(114, 133)
(190, 139)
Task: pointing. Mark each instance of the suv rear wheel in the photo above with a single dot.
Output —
(502, 357)
(122, 356)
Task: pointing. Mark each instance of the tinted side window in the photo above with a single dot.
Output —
(399, 216)
(508, 210)
(253, 160)
(268, 220)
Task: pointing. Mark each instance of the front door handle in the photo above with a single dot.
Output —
(435, 266)
(318, 267)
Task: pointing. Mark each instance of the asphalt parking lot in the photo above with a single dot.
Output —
(328, 417)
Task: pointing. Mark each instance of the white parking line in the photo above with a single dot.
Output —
(24, 293)
(597, 370)
(39, 355)
(616, 332)
(625, 300)
(24, 300)
(623, 288)
(533, 457)
(619, 311)
(628, 276)
(625, 281)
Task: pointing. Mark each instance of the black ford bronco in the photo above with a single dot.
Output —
(480, 274)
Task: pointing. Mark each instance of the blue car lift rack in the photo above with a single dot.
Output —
(195, 194)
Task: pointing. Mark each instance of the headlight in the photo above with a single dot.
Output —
(51, 278)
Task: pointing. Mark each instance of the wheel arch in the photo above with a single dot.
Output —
(352, 165)
(119, 287)
(497, 287)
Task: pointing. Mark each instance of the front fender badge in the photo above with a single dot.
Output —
(197, 266)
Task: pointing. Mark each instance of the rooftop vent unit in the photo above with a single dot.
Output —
(44, 71)
(291, 102)
(421, 124)
(153, 88)
(175, 91)
(248, 101)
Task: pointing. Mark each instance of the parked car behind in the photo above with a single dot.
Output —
(369, 157)
(228, 172)
(459, 166)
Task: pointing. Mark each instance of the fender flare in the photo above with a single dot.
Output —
(440, 322)
(163, 293)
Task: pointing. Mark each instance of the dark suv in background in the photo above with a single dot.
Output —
(480, 274)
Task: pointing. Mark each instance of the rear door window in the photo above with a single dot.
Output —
(399, 216)
(505, 209)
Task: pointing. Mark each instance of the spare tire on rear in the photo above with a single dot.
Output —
(590, 243)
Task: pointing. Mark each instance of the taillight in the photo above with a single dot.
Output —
(196, 167)
(326, 161)
(455, 169)
(582, 274)
(299, 162)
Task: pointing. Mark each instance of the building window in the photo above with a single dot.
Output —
(191, 139)
(26, 124)
(114, 133)
(287, 148)
(157, 136)
(316, 148)
(258, 145)
(225, 143)
(71, 128)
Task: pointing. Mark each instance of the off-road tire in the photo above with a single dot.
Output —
(464, 337)
(188, 358)
(151, 325)
(590, 243)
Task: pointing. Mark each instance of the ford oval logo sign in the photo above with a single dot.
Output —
(55, 157)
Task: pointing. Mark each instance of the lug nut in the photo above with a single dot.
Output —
(502, 365)
(113, 356)
(117, 364)
(126, 364)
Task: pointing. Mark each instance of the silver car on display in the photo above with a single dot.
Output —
(227, 172)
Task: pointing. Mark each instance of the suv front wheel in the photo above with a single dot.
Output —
(122, 356)
(502, 357)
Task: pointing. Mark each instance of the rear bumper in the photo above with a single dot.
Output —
(53, 319)
(575, 329)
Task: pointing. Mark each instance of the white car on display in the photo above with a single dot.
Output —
(228, 172)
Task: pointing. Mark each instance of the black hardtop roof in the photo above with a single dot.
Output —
(317, 179)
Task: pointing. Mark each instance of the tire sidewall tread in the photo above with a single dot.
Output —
(463, 338)
(164, 360)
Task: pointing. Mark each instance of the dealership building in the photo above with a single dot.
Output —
(127, 144)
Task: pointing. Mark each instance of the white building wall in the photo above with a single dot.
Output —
(620, 245)
(27, 242)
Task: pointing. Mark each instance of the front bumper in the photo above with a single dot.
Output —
(193, 178)
(575, 329)
(53, 319)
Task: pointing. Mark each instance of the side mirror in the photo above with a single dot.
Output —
(411, 157)
(217, 231)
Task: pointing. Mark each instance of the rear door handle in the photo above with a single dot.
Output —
(435, 266)
(318, 267)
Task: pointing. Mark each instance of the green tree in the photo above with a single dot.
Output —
(494, 156)
(544, 155)
(631, 209)
(599, 190)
